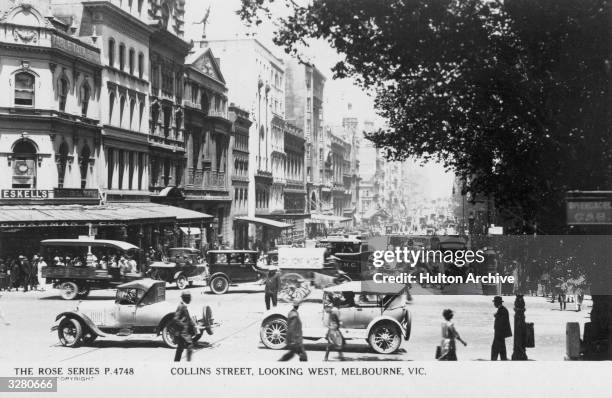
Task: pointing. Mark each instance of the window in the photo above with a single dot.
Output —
(111, 106)
(132, 108)
(63, 93)
(84, 165)
(110, 166)
(204, 104)
(61, 161)
(141, 167)
(140, 116)
(121, 167)
(165, 15)
(140, 62)
(131, 167)
(140, 6)
(167, 119)
(85, 94)
(121, 109)
(131, 61)
(24, 89)
(121, 56)
(111, 52)
(24, 164)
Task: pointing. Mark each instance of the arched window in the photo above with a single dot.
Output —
(141, 114)
(140, 6)
(24, 164)
(24, 89)
(84, 165)
(111, 52)
(140, 64)
(204, 104)
(110, 166)
(63, 93)
(85, 95)
(131, 168)
(61, 161)
(131, 61)
(132, 108)
(121, 167)
(111, 107)
(121, 109)
(121, 56)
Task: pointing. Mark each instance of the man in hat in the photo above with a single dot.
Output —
(502, 330)
(295, 342)
(185, 328)
(272, 286)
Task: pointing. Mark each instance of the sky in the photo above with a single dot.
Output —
(223, 23)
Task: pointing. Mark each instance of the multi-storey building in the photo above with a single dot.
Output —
(74, 128)
(208, 130)
(239, 143)
(255, 78)
(304, 108)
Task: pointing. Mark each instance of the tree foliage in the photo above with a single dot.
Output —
(512, 95)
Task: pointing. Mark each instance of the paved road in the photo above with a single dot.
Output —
(32, 314)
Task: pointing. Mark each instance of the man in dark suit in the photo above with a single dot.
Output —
(271, 289)
(185, 328)
(502, 330)
(295, 342)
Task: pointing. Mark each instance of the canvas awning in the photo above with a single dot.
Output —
(330, 218)
(264, 221)
(109, 214)
(190, 231)
(375, 212)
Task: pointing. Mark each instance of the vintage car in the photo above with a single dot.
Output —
(77, 281)
(226, 267)
(140, 307)
(371, 311)
(183, 265)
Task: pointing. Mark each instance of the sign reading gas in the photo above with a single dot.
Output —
(26, 194)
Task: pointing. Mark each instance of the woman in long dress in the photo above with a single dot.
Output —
(448, 348)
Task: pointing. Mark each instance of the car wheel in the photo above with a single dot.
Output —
(181, 282)
(70, 332)
(168, 336)
(219, 285)
(273, 333)
(207, 319)
(69, 290)
(385, 338)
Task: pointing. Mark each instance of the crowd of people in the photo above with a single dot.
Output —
(19, 272)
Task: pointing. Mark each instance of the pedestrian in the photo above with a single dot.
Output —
(26, 273)
(562, 297)
(579, 299)
(448, 347)
(501, 329)
(335, 339)
(40, 263)
(185, 328)
(295, 342)
(272, 286)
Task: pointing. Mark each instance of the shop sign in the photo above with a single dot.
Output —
(596, 212)
(36, 194)
(76, 193)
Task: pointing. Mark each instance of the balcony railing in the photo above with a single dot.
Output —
(214, 179)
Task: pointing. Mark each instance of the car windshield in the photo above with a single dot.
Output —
(129, 296)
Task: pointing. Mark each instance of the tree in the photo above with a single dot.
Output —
(510, 95)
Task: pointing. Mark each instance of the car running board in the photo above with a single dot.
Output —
(125, 332)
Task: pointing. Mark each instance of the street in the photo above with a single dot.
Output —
(32, 314)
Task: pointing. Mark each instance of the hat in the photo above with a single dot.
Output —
(497, 299)
(185, 294)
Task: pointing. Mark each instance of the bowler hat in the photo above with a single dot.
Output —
(497, 299)
(185, 294)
